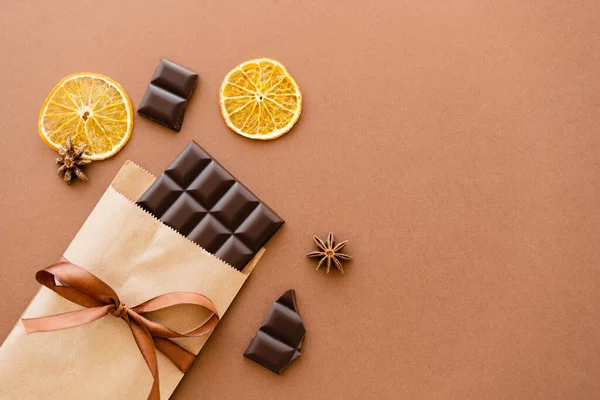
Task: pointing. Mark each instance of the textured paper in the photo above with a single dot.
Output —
(139, 257)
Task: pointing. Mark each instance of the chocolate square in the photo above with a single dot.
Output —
(174, 78)
(279, 339)
(234, 252)
(210, 185)
(209, 234)
(184, 215)
(167, 95)
(160, 196)
(235, 206)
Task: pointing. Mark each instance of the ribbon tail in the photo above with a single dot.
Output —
(144, 341)
(179, 356)
(65, 320)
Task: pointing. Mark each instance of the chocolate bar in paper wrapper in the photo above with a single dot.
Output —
(139, 257)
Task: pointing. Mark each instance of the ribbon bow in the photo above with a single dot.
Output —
(82, 287)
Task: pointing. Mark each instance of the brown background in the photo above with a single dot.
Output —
(454, 143)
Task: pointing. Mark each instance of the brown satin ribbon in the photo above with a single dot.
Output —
(82, 287)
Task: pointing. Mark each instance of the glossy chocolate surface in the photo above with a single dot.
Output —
(200, 199)
(278, 341)
(167, 95)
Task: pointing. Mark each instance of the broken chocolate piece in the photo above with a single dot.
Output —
(279, 339)
(200, 199)
(168, 93)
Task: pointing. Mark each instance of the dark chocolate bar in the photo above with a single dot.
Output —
(278, 341)
(200, 199)
(168, 93)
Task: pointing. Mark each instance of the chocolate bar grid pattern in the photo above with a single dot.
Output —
(167, 94)
(201, 200)
(279, 339)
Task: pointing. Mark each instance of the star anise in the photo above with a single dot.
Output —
(70, 162)
(330, 253)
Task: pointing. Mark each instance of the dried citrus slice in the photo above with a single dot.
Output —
(260, 100)
(92, 109)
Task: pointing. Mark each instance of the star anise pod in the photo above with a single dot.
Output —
(330, 253)
(70, 162)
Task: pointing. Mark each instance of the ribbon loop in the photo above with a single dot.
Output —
(84, 288)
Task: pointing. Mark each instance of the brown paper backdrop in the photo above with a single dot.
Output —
(455, 144)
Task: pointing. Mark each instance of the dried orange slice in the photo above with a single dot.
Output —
(260, 99)
(92, 109)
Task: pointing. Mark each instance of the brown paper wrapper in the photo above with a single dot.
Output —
(139, 257)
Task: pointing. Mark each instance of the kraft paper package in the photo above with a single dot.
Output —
(139, 257)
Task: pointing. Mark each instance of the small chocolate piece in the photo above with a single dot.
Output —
(200, 199)
(279, 339)
(168, 93)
